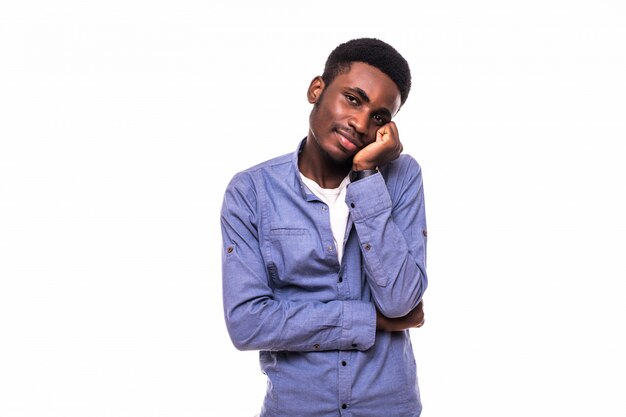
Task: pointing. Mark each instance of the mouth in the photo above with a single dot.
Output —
(347, 139)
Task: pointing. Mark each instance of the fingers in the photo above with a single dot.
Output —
(389, 140)
(420, 309)
(388, 132)
(385, 148)
(394, 130)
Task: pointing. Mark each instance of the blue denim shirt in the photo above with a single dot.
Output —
(313, 319)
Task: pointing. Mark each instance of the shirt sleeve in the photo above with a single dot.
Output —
(392, 234)
(255, 319)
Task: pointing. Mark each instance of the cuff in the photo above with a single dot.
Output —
(368, 197)
(359, 326)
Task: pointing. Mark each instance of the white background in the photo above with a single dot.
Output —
(121, 123)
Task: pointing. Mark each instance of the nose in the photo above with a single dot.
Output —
(359, 122)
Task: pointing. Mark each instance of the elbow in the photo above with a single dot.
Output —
(395, 311)
(241, 338)
(241, 332)
(246, 330)
(241, 344)
(398, 310)
(400, 306)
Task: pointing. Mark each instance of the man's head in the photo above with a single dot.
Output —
(375, 53)
(365, 82)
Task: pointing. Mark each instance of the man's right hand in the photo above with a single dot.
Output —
(415, 318)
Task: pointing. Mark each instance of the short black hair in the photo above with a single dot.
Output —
(373, 52)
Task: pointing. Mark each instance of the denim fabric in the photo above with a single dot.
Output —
(313, 319)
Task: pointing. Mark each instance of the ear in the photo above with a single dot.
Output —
(315, 89)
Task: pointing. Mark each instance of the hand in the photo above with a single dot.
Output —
(385, 148)
(415, 318)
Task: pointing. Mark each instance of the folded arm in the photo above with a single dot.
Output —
(392, 235)
(255, 318)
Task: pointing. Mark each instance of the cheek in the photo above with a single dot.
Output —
(323, 116)
(333, 108)
(371, 134)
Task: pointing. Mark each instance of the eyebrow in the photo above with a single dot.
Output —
(366, 99)
(361, 93)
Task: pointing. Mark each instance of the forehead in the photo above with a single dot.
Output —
(380, 89)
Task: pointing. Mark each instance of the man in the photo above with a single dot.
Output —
(324, 251)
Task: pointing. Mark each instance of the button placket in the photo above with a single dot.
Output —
(343, 285)
(345, 379)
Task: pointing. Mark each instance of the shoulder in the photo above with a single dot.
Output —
(404, 167)
(271, 164)
(249, 177)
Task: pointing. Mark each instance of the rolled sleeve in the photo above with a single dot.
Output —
(389, 220)
(368, 197)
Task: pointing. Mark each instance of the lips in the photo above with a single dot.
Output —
(347, 140)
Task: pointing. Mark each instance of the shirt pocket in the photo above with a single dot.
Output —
(286, 231)
(294, 256)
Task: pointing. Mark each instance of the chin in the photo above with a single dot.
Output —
(340, 157)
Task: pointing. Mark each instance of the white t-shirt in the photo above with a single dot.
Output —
(335, 199)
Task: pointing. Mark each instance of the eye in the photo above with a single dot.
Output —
(351, 99)
(379, 120)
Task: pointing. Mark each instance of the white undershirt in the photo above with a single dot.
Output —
(335, 199)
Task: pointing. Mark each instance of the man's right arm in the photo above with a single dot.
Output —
(255, 318)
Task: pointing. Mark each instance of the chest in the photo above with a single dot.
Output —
(300, 250)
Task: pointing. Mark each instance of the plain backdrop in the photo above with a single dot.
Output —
(121, 122)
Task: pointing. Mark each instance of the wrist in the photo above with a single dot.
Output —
(360, 166)
(381, 322)
(356, 175)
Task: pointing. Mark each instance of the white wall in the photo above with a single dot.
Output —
(122, 121)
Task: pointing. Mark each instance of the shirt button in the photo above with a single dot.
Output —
(330, 248)
(324, 208)
(344, 363)
(352, 205)
(340, 279)
(344, 406)
(316, 346)
(230, 249)
(425, 233)
(368, 246)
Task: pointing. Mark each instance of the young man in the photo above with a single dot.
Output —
(324, 250)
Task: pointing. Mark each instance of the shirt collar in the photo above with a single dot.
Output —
(304, 191)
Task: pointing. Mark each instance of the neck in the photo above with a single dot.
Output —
(315, 164)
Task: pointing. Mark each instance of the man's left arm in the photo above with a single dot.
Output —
(391, 228)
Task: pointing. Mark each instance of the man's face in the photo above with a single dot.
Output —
(349, 111)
